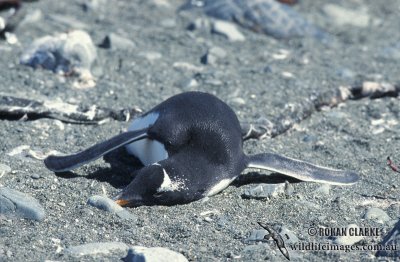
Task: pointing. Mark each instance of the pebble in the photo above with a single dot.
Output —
(200, 24)
(264, 191)
(322, 190)
(392, 239)
(93, 5)
(213, 55)
(377, 214)
(68, 22)
(153, 254)
(4, 169)
(13, 202)
(2, 23)
(342, 16)
(62, 53)
(35, 176)
(151, 56)
(115, 42)
(348, 239)
(228, 30)
(107, 204)
(33, 16)
(98, 248)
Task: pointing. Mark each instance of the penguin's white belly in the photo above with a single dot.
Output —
(148, 151)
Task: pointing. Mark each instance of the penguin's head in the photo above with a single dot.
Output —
(151, 186)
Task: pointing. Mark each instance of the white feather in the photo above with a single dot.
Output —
(221, 185)
(148, 151)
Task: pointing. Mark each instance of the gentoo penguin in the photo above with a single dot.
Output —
(191, 147)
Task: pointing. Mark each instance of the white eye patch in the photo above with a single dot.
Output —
(168, 185)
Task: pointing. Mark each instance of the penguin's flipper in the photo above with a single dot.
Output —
(301, 170)
(69, 162)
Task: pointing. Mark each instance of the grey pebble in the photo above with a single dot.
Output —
(13, 202)
(33, 16)
(107, 204)
(377, 214)
(348, 239)
(200, 24)
(67, 21)
(264, 191)
(212, 56)
(91, 249)
(35, 176)
(4, 169)
(153, 254)
(322, 190)
(115, 42)
(391, 239)
(228, 30)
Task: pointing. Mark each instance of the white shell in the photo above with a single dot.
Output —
(148, 151)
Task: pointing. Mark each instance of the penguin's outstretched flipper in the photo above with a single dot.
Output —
(301, 170)
(69, 162)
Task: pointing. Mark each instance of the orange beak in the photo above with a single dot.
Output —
(122, 202)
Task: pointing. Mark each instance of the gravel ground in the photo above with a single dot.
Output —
(257, 77)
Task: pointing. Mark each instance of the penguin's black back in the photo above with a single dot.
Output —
(201, 124)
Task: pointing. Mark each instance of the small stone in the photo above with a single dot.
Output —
(264, 191)
(35, 176)
(33, 16)
(93, 5)
(99, 248)
(377, 214)
(153, 254)
(107, 204)
(348, 239)
(391, 239)
(115, 42)
(200, 24)
(168, 23)
(213, 55)
(342, 16)
(228, 30)
(13, 202)
(322, 190)
(256, 235)
(2, 23)
(104, 203)
(68, 22)
(4, 169)
(151, 56)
